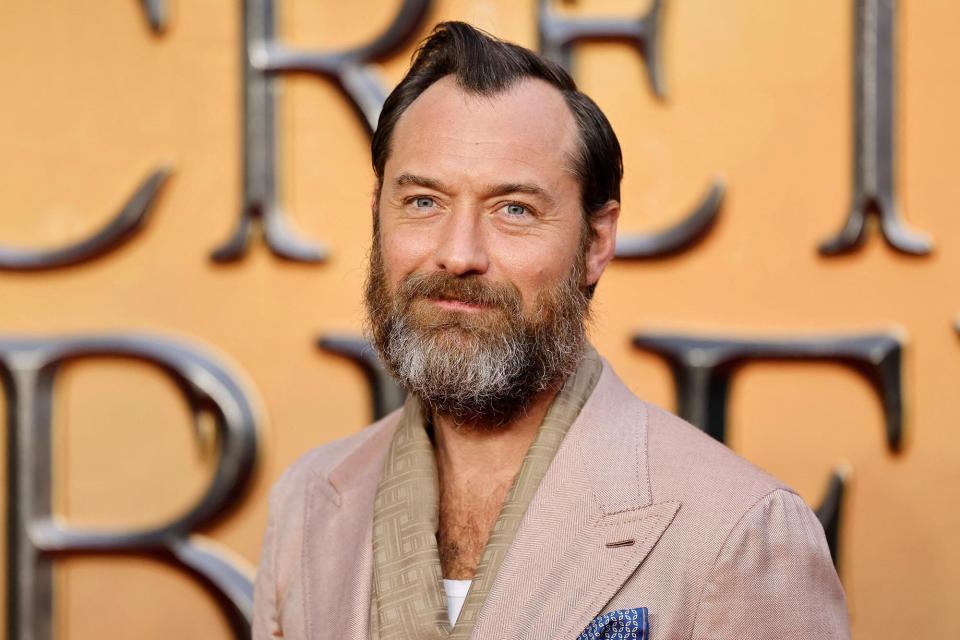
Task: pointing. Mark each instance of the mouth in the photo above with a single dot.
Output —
(450, 304)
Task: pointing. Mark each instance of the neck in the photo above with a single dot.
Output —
(476, 467)
(468, 452)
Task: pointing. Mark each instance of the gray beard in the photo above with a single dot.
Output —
(475, 379)
(479, 374)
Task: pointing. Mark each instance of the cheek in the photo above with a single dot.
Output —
(402, 254)
(534, 269)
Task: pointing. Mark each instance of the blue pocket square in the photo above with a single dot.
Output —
(625, 624)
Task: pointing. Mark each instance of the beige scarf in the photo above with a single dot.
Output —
(408, 601)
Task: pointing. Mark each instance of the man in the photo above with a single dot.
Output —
(521, 479)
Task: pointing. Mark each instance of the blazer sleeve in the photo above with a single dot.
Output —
(266, 616)
(773, 578)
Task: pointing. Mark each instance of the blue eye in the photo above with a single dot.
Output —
(515, 210)
(423, 202)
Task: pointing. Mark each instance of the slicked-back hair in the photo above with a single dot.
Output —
(485, 65)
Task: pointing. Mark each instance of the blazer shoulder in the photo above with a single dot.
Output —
(358, 451)
(683, 463)
(687, 464)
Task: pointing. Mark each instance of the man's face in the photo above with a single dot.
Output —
(481, 260)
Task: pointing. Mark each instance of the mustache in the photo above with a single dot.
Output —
(469, 289)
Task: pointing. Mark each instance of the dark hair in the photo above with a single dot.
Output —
(485, 65)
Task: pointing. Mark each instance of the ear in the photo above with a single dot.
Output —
(604, 242)
(375, 205)
(375, 198)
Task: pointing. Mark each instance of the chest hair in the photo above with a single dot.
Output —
(467, 517)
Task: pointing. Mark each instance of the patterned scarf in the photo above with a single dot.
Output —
(408, 601)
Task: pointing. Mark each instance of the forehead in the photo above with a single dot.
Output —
(527, 131)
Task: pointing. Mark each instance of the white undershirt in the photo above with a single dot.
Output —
(456, 593)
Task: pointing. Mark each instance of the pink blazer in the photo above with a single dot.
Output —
(720, 549)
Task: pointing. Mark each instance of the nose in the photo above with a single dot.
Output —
(461, 248)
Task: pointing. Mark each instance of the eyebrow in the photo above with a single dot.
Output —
(519, 187)
(405, 179)
(491, 191)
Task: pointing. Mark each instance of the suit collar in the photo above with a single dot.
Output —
(612, 441)
(589, 526)
(336, 549)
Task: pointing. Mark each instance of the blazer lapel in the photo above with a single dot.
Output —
(589, 526)
(337, 554)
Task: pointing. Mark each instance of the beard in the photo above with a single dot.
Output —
(482, 367)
